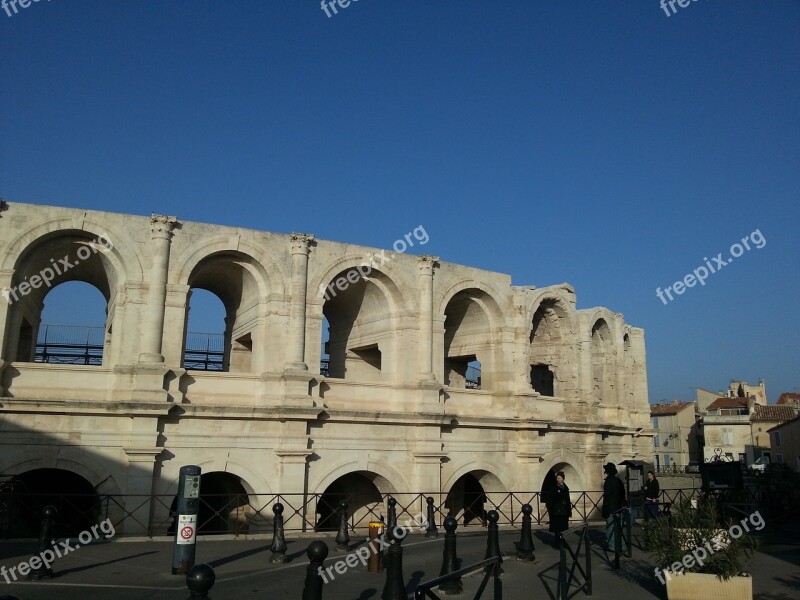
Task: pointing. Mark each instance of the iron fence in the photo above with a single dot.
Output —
(243, 514)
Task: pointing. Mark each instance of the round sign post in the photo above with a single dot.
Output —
(187, 507)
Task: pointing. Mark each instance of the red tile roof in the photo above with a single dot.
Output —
(789, 398)
(668, 408)
(785, 423)
(773, 412)
(726, 402)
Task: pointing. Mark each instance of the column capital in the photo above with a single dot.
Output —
(427, 263)
(302, 242)
(162, 224)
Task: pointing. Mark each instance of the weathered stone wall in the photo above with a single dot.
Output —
(397, 411)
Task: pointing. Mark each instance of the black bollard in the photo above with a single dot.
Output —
(199, 580)
(392, 519)
(493, 537)
(343, 536)
(40, 565)
(432, 530)
(617, 540)
(450, 559)
(395, 587)
(317, 552)
(278, 547)
(525, 548)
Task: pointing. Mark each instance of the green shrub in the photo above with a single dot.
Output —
(687, 529)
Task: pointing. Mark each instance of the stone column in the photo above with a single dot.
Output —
(301, 248)
(153, 321)
(426, 265)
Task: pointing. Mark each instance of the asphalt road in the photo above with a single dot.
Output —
(123, 570)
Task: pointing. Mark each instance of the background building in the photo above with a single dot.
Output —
(675, 443)
(785, 443)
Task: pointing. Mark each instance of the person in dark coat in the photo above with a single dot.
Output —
(613, 500)
(652, 492)
(559, 507)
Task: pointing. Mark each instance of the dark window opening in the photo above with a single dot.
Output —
(543, 380)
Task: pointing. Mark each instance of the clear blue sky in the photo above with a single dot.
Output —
(599, 143)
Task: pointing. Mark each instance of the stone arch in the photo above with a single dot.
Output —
(49, 256)
(244, 286)
(490, 296)
(603, 360)
(127, 260)
(471, 491)
(358, 321)
(98, 474)
(576, 477)
(494, 476)
(269, 274)
(246, 474)
(470, 339)
(552, 354)
(387, 481)
(386, 277)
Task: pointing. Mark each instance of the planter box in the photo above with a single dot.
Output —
(691, 586)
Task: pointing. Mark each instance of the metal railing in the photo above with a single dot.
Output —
(491, 566)
(84, 344)
(70, 345)
(243, 514)
(622, 534)
(567, 555)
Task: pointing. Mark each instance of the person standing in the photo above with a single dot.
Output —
(613, 500)
(559, 507)
(652, 491)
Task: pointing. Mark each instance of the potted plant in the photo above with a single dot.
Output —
(701, 555)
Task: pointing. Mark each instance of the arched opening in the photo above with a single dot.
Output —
(357, 328)
(65, 267)
(230, 277)
(549, 482)
(546, 347)
(602, 371)
(467, 341)
(76, 500)
(205, 337)
(362, 495)
(466, 500)
(325, 357)
(72, 329)
(224, 505)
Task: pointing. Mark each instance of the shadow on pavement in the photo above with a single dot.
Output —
(60, 573)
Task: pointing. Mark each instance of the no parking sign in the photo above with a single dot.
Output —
(187, 529)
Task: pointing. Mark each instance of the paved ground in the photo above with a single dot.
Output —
(123, 570)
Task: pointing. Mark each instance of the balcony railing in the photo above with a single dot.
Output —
(83, 345)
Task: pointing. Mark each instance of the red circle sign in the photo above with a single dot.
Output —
(186, 533)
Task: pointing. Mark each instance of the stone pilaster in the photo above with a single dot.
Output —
(139, 488)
